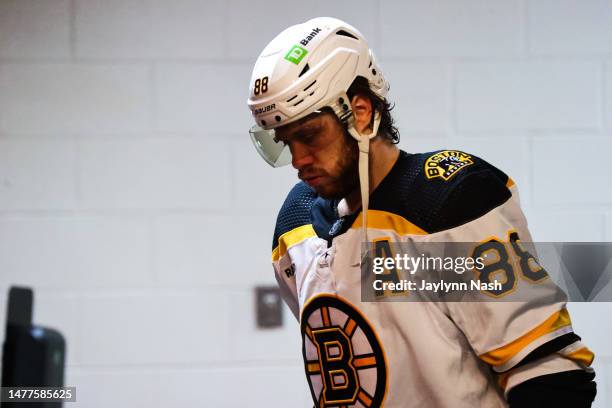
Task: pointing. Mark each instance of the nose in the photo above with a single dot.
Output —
(300, 155)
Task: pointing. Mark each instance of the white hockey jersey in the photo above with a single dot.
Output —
(420, 354)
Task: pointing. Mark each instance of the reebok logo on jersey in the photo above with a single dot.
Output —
(446, 164)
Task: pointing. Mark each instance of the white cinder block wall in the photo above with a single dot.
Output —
(132, 201)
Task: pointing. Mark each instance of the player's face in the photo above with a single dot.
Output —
(324, 154)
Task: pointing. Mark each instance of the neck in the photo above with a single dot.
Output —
(382, 157)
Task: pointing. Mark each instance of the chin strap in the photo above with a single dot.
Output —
(363, 142)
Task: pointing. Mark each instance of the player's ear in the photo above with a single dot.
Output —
(362, 110)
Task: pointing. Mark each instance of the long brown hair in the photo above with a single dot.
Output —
(387, 127)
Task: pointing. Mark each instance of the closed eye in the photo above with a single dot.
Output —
(306, 137)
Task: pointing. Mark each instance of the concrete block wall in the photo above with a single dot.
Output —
(133, 203)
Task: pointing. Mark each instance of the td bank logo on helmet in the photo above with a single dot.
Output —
(297, 52)
(310, 36)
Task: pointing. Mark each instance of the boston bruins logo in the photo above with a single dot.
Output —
(344, 361)
(446, 164)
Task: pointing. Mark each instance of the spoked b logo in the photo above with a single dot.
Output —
(344, 361)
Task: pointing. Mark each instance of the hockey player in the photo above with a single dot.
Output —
(318, 97)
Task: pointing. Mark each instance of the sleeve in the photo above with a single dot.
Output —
(522, 331)
(301, 227)
(569, 389)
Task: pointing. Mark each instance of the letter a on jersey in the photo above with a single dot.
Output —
(331, 329)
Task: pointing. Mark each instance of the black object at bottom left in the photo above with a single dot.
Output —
(33, 356)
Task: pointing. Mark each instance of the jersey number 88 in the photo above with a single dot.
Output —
(528, 267)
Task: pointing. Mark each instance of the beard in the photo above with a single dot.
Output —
(346, 172)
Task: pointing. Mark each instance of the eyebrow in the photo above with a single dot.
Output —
(300, 131)
(307, 128)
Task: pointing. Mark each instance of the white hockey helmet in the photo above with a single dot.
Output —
(305, 68)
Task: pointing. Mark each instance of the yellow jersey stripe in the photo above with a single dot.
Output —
(383, 220)
(503, 354)
(291, 238)
(502, 380)
(582, 355)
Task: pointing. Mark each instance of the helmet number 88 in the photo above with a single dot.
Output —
(261, 85)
